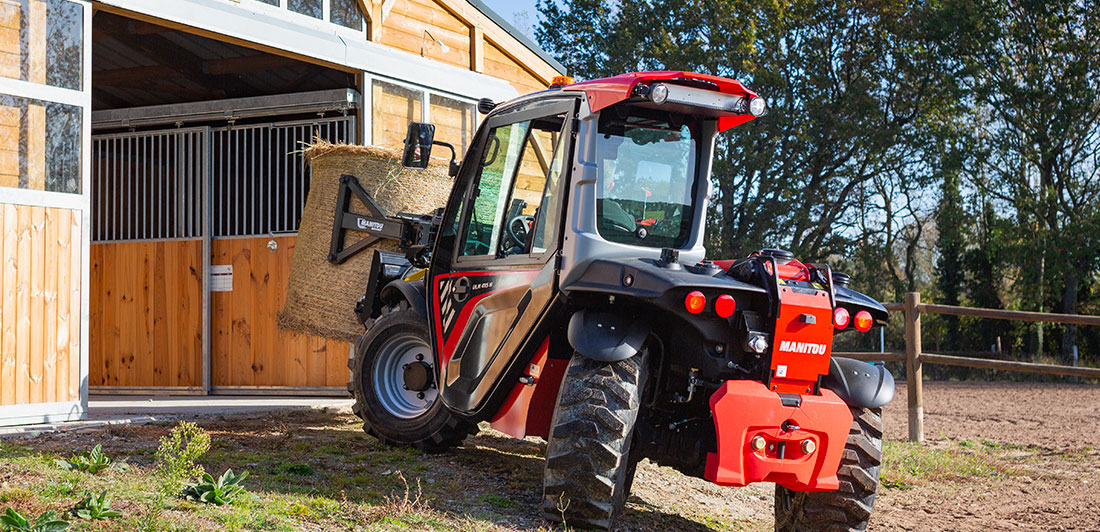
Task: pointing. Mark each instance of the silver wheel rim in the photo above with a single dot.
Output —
(388, 376)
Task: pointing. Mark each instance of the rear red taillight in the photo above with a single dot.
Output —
(695, 302)
(841, 317)
(863, 321)
(724, 306)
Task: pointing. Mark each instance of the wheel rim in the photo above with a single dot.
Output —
(388, 376)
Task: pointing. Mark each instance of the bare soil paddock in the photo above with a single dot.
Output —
(1012, 457)
(1046, 437)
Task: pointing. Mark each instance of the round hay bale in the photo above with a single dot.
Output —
(321, 296)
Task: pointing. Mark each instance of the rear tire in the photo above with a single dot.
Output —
(589, 468)
(389, 411)
(847, 509)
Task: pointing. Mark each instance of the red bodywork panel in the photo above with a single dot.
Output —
(517, 418)
(606, 92)
(800, 349)
(745, 409)
(803, 341)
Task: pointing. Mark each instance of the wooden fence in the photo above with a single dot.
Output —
(914, 356)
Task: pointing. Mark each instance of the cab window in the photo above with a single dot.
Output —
(519, 174)
(646, 184)
(533, 209)
(497, 168)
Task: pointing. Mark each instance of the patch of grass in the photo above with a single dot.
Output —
(907, 464)
(498, 501)
(299, 469)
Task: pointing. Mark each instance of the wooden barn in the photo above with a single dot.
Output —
(151, 181)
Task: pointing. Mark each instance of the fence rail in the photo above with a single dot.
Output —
(914, 356)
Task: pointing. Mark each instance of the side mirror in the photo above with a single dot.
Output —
(418, 145)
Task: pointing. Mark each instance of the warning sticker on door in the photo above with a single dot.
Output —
(780, 371)
(221, 277)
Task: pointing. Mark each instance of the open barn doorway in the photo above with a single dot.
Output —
(198, 185)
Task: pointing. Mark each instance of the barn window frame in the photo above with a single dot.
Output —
(46, 93)
(426, 94)
(325, 23)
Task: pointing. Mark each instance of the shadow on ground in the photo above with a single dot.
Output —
(325, 454)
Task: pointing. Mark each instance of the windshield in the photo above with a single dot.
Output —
(645, 190)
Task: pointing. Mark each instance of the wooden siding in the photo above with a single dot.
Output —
(501, 65)
(39, 304)
(248, 348)
(403, 28)
(146, 314)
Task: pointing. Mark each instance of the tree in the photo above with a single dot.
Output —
(846, 82)
(1039, 75)
(951, 244)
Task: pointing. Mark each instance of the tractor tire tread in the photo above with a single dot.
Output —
(588, 451)
(847, 509)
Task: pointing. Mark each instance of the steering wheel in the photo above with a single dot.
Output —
(518, 227)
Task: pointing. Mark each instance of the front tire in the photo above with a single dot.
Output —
(847, 509)
(389, 410)
(588, 462)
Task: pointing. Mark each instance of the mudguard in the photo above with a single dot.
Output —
(411, 291)
(605, 336)
(859, 384)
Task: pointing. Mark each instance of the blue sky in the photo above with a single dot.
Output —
(509, 9)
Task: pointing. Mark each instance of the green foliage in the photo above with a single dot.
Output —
(218, 491)
(906, 464)
(47, 522)
(93, 507)
(92, 462)
(177, 456)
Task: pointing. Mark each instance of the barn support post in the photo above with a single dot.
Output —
(207, 231)
(913, 372)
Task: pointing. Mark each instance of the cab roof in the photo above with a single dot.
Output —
(606, 92)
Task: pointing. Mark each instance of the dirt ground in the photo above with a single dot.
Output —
(1043, 439)
(1047, 434)
(1013, 457)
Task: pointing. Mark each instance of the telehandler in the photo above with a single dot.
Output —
(563, 293)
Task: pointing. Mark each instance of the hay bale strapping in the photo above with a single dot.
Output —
(321, 296)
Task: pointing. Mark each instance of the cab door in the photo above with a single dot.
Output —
(493, 273)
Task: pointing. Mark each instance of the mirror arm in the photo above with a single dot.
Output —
(452, 168)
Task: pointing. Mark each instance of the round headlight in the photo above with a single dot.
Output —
(757, 106)
(658, 94)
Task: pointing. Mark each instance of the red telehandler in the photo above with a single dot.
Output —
(563, 293)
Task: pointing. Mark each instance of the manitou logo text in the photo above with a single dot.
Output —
(802, 347)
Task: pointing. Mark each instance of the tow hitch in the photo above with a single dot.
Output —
(764, 436)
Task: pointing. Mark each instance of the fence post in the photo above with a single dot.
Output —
(913, 367)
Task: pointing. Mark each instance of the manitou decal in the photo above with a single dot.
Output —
(806, 348)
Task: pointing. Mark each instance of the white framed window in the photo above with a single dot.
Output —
(341, 16)
(394, 103)
(44, 101)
